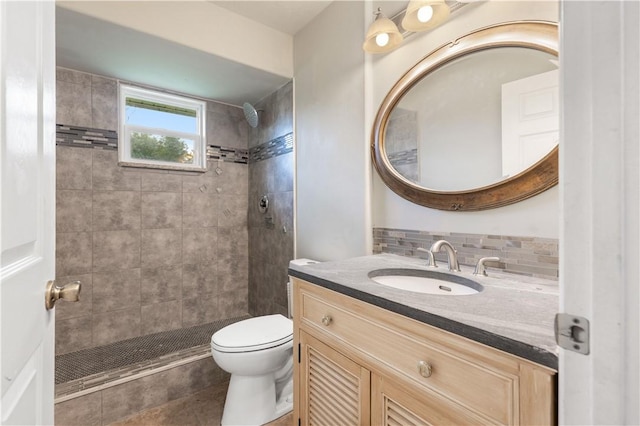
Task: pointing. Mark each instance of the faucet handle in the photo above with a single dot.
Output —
(481, 268)
(431, 261)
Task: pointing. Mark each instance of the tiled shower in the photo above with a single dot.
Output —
(159, 252)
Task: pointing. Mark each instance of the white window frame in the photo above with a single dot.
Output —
(124, 140)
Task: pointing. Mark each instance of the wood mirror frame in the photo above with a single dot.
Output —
(538, 35)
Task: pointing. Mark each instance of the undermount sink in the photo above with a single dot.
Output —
(424, 281)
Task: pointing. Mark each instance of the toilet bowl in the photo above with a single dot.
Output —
(258, 352)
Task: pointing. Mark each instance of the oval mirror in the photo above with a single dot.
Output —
(475, 124)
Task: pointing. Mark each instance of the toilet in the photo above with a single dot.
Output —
(258, 352)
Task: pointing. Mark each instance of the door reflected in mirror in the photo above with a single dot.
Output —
(477, 120)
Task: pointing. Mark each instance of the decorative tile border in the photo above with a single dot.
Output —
(409, 156)
(275, 147)
(530, 256)
(84, 137)
(231, 155)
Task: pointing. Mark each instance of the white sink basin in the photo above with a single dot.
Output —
(429, 282)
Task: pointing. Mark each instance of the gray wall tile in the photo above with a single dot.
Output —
(82, 411)
(232, 210)
(116, 250)
(73, 334)
(114, 326)
(161, 247)
(122, 201)
(73, 76)
(165, 182)
(199, 210)
(199, 310)
(161, 284)
(116, 290)
(161, 317)
(199, 281)
(73, 253)
(116, 210)
(73, 211)
(161, 210)
(227, 128)
(73, 104)
(73, 168)
(107, 175)
(199, 245)
(83, 306)
(104, 103)
(234, 179)
(233, 303)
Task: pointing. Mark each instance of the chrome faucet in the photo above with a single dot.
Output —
(431, 261)
(481, 268)
(452, 256)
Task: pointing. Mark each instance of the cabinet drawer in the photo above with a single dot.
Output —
(485, 391)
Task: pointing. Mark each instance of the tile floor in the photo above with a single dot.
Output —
(201, 409)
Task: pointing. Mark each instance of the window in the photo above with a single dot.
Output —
(161, 130)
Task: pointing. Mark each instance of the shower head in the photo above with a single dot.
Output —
(250, 114)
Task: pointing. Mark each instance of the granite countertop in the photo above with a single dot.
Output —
(513, 313)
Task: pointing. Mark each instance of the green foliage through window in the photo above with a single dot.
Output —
(160, 148)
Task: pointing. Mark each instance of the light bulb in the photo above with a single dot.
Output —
(382, 39)
(425, 13)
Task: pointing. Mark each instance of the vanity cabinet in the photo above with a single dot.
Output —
(361, 364)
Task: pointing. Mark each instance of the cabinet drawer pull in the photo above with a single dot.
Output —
(326, 320)
(424, 368)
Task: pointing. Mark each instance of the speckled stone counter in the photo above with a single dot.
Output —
(513, 313)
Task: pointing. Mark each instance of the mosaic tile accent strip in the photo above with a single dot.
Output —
(84, 137)
(97, 366)
(232, 155)
(409, 156)
(529, 256)
(275, 147)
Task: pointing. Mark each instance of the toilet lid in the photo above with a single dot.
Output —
(253, 334)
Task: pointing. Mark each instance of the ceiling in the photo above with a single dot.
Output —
(97, 46)
(286, 16)
(92, 45)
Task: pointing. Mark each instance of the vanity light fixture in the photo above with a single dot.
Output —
(383, 35)
(422, 15)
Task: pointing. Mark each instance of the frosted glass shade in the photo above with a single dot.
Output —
(411, 22)
(382, 25)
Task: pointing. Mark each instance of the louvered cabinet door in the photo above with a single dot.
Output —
(335, 390)
(393, 404)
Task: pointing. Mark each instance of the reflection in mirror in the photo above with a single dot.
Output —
(477, 120)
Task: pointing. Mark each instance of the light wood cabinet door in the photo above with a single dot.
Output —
(335, 390)
(395, 404)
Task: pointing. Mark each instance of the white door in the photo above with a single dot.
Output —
(530, 121)
(27, 230)
(600, 201)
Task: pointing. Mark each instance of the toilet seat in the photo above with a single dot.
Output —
(253, 334)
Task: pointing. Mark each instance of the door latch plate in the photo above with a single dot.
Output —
(572, 333)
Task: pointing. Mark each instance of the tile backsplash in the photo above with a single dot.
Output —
(531, 256)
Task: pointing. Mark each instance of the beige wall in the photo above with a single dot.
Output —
(338, 90)
(537, 216)
(332, 169)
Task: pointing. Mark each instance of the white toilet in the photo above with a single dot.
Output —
(258, 352)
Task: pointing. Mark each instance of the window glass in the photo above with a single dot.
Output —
(153, 114)
(161, 130)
